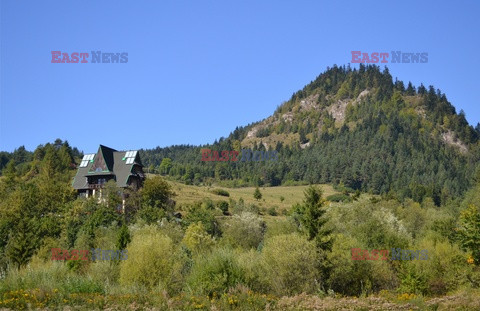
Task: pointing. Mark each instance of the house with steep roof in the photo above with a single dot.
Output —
(96, 169)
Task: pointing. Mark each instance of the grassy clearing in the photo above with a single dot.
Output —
(271, 196)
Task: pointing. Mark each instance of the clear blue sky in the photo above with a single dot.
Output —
(198, 69)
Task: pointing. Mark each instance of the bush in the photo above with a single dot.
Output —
(249, 262)
(172, 229)
(152, 261)
(446, 269)
(207, 203)
(245, 230)
(221, 192)
(272, 211)
(223, 206)
(241, 207)
(339, 198)
(290, 264)
(356, 277)
(49, 276)
(104, 272)
(196, 213)
(379, 228)
(157, 193)
(280, 225)
(197, 239)
(151, 214)
(215, 272)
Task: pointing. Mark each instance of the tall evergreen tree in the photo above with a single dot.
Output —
(310, 216)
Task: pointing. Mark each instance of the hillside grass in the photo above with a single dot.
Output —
(271, 196)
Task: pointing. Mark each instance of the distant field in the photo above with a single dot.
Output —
(270, 195)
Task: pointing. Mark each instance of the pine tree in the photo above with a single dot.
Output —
(22, 245)
(410, 89)
(257, 194)
(310, 215)
(123, 238)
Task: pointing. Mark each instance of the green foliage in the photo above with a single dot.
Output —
(215, 272)
(123, 237)
(310, 216)
(469, 231)
(290, 264)
(151, 214)
(152, 261)
(380, 229)
(391, 141)
(112, 195)
(197, 239)
(223, 206)
(339, 198)
(272, 211)
(165, 166)
(22, 245)
(257, 195)
(49, 276)
(356, 277)
(221, 192)
(446, 269)
(157, 193)
(198, 213)
(245, 230)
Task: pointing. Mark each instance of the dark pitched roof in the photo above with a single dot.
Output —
(107, 162)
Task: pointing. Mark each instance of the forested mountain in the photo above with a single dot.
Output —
(352, 126)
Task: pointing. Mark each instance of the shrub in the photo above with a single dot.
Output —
(280, 225)
(172, 229)
(151, 214)
(221, 192)
(379, 228)
(48, 276)
(215, 272)
(152, 261)
(223, 206)
(290, 264)
(446, 269)
(356, 277)
(196, 213)
(157, 193)
(257, 195)
(253, 274)
(339, 198)
(207, 203)
(197, 239)
(468, 231)
(245, 230)
(272, 211)
(241, 207)
(104, 272)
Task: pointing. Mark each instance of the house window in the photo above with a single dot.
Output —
(86, 158)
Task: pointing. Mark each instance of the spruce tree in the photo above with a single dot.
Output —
(257, 194)
(123, 238)
(23, 243)
(310, 216)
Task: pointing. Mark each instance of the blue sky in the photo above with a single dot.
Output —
(198, 69)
